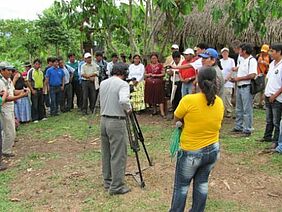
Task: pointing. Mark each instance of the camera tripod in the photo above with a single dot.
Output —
(135, 136)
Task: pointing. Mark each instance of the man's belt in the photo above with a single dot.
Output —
(55, 85)
(243, 86)
(114, 117)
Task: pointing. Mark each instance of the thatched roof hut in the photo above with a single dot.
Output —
(200, 27)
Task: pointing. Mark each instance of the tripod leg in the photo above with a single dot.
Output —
(140, 136)
(147, 154)
(142, 183)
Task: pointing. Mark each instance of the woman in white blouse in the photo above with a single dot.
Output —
(136, 74)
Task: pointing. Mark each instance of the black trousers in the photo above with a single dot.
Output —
(88, 93)
(66, 103)
(46, 99)
(273, 117)
(177, 96)
(77, 90)
(37, 106)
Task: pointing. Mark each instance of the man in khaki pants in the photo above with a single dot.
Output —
(227, 65)
(114, 101)
(7, 113)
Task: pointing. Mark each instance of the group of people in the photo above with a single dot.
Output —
(197, 85)
(210, 83)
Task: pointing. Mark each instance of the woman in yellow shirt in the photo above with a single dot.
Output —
(201, 115)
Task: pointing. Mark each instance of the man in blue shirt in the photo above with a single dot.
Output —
(55, 84)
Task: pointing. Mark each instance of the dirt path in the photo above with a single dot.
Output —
(64, 175)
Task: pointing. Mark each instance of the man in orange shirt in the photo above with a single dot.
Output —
(188, 75)
(263, 64)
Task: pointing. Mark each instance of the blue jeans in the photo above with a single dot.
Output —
(56, 96)
(244, 109)
(279, 144)
(186, 88)
(273, 117)
(195, 165)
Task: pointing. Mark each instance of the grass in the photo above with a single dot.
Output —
(71, 124)
(90, 156)
(246, 148)
(225, 206)
(75, 127)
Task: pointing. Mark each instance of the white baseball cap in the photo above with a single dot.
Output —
(189, 51)
(224, 49)
(87, 54)
(175, 46)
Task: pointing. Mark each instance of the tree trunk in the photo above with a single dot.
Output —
(169, 31)
(145, 29)
(133, 47)
(109, 41)
(57, 50)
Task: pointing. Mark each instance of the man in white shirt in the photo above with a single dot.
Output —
(197, 64)
(273, 100)
(111, 64)
(90, 83)
(7, 113)
(244, 100)
(227, 64)
(176, 94)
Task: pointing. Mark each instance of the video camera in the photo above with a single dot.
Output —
(168, 67)
(131, 86)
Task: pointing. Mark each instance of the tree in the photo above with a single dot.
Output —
(243, 13)
(19, 39)
(53, 30)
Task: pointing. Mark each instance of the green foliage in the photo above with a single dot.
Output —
(22, 40)
(18, 40)
(53, 30)
(108, 24)
(243, 13)
(67, 25)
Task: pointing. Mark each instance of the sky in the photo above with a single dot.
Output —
(26, 9)
(23, 9)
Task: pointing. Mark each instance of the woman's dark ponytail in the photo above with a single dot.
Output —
(207, 83)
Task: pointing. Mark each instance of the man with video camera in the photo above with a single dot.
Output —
(115, 103)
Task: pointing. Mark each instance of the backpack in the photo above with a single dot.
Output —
(258, 83)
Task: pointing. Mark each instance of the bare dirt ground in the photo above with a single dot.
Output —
(65, 175)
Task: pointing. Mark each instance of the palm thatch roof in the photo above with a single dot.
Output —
(200, 27)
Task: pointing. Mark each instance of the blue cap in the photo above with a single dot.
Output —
(210, 52)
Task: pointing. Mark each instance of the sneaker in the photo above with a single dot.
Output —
(36, 121)
(44, 119)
